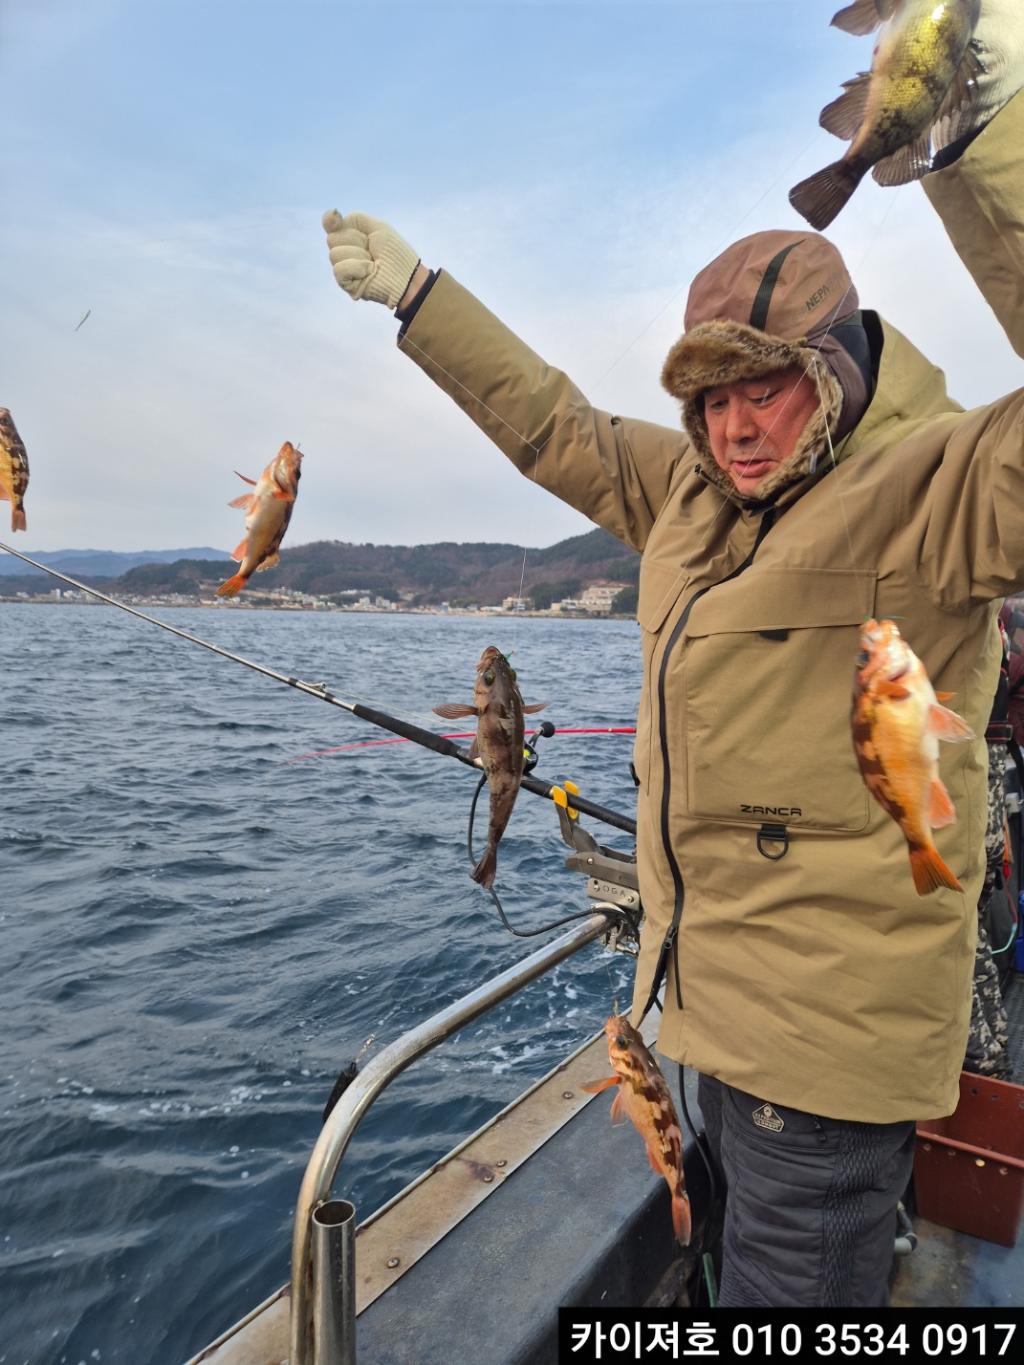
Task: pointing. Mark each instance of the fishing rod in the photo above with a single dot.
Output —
(426, 738)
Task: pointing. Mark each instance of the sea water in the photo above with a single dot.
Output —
(202, 925)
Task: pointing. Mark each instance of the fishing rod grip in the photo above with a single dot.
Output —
(414, 733)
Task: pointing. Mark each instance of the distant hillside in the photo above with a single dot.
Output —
(479, 573)
(100, 563)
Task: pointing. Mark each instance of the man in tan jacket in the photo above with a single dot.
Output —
(823, 477)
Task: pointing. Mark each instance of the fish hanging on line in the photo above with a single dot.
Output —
(644, 1098)
(13, 470)
(500, 731)
(268, 510)
(897, 723)
(924, 72)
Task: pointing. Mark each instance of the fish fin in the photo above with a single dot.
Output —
(271, 562)
(233, 586)
(863, 16)
(279, 495)
(474, 750)
(18, 522)
(681, 1224)
(245, 479)
(454, 710)
(962, 95)
(483, 873)
(930, 872)
(895, 690)
(822, 196)
(238, 553)
(844, 115)
(944, 696)
(909, 163)
(595, 1087)
(534, 707)
(246, 500)
(5, 495)
(947, 724)
(941, 811)
(618, 1109)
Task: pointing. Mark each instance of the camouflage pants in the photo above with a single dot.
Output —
(988, 1036)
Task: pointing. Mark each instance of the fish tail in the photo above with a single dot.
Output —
(486, 867)
(820, 197)
(233, 586)
(930, 872)
(681, 1222)
(18, 522)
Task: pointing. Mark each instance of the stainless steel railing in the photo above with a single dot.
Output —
(323, 1315)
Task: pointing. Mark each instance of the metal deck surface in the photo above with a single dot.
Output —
(584, 1222)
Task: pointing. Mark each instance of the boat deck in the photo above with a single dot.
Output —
(581, 1223)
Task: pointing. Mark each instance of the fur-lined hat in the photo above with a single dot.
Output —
(755, 310)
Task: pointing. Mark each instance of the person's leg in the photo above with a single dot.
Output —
(810, 1219)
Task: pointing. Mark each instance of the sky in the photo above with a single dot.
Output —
(166, 164)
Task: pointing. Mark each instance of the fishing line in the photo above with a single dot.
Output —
(537, 449)
(426, 738)
(524, 933)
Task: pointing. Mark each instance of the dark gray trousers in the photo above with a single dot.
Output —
(810, 1218)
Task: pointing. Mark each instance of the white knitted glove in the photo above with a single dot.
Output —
(369, 258)
(1000, 35)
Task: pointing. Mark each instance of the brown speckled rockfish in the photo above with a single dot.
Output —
(13, 470)
(498, 707)
(644, 1098)
(268, 510)
(924, 72)
(897, 724)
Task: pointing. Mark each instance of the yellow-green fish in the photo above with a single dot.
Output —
(924, 70)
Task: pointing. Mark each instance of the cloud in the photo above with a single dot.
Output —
(216, 330)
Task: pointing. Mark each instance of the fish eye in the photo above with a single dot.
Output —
(862, 658)
(621, 1040)
(489, 677)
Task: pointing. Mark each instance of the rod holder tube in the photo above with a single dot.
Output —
(347, 1114)
(333, 1246)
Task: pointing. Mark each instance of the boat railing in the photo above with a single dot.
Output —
(323, 1293)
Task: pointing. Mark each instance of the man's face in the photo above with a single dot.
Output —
(754, 424)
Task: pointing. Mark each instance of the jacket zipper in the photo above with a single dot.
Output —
(670, 941)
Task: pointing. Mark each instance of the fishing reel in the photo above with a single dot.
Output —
(530, 755)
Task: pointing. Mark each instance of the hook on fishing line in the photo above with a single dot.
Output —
(617, 892)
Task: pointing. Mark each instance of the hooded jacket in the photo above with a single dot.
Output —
(802, 966)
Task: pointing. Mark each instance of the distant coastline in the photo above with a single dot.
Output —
(240, 604)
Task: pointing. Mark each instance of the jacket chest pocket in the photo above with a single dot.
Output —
(767, 676)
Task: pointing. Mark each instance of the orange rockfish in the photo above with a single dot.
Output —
(924, 72)
(13, 470)
(644, 1099)
(498, 707)
(897, 724)
(268, 511)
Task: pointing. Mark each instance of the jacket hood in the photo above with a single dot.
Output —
(722, 352)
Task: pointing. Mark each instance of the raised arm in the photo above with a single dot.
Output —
(980, 199)
(614, 470)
